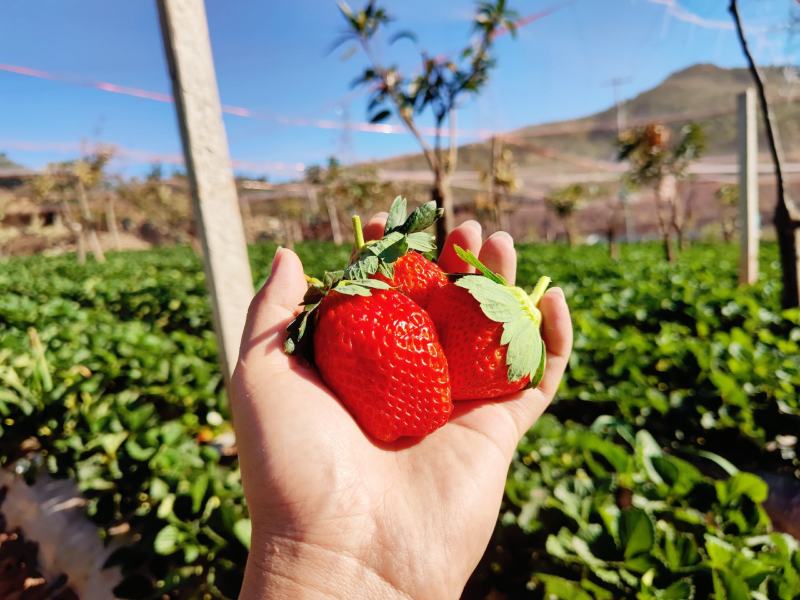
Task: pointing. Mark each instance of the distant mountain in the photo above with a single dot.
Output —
(5, 161)
(703, 93)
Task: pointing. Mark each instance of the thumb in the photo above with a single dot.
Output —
(274, 306)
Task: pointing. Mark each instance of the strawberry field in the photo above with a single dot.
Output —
(644, 480)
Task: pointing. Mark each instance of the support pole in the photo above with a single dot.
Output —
(205, 147)
(750, 218)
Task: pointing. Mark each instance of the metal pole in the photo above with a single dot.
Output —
(205, 147)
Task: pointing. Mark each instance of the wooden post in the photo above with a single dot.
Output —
(205, 147)
(748, 188)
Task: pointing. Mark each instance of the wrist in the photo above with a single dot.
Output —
(280, 567)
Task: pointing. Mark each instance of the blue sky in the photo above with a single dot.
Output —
(272, 57)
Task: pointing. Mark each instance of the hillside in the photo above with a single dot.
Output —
(705, 93)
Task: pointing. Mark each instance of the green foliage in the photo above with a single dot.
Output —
(635, 484)
(564, 201)
(440, 81)
(627, 488)
(651, 155)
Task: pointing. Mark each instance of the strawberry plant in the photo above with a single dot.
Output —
(636, 484)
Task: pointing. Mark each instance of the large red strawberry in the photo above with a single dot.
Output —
(490, 333)
(416, 277)
(378, 351)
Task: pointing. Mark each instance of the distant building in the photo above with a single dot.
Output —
(20, 211)
(14, 176)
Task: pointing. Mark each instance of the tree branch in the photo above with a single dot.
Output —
(427, 151)
(772, 134)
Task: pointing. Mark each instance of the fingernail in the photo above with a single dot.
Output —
(381, 216)
(277, 251)
(472, 223)
(502, 235)
(557, 291)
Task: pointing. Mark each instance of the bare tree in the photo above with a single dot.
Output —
(88, 174)
(787, 214)
(438, 87)
(564, 202)
(502, 180)
(728, 197)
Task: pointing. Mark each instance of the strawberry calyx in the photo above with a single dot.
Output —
(300, 336)
(401, 235)
(516, 310)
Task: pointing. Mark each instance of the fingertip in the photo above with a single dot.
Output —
(499, 255)
(502, 237)
(375, 226)
(285, 286)
(468, 235)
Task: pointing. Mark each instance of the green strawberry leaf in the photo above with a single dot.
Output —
(469, 258)
(397, 215)
(511, 306)
(421, 218)
(360, 287)
(421, 241)
(363, 267)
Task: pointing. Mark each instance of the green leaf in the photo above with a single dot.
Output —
(747, 484)
(636, 532)
(190, 553)
(421, 241)
(680, 590)
(112, 441)
(719, 551)
(728, 586)
(360, 287)
(243, 530)
(363, 267)
(469, 258)
(198, 491)
(397, 215)
(380, 116)
(167, 540)
(421, 218)
(382, 246)
(137, 452)
(513, 308)
(558, 587)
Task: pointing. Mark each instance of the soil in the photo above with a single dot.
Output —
(20, 578)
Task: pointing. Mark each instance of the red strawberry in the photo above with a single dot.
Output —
(416, 277)
(397, 258)
(490, 333)
(381, 356)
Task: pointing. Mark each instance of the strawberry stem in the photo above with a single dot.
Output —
(359, 233)
(539, 289)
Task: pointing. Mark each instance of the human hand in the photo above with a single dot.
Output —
(336, 514)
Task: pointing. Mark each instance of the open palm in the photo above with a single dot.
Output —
(334, 513)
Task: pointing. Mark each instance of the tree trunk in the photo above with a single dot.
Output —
(288, 234)
(76, 230)
(728, 229)
(333, 218)
(569, 231)
(669, 251)
(788, 232)
(443, 198)
(613, 246)
(664, 227)
(111, 222)
(787, 215)
(87, 221)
